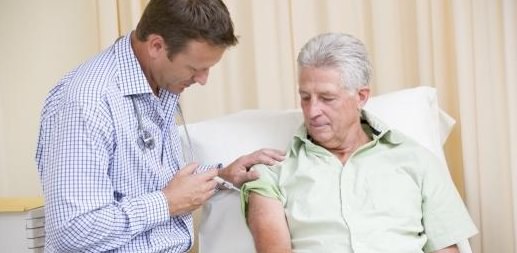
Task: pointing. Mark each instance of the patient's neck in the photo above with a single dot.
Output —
(354, 141)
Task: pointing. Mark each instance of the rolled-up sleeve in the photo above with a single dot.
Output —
(266, 185)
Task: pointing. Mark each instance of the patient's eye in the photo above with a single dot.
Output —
(305, 97)
(327, 99)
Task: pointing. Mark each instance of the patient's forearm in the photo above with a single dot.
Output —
(267, 223)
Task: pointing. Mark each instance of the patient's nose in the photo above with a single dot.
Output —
(313, 109)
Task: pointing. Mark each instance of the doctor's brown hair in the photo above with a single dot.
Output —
(180, 21)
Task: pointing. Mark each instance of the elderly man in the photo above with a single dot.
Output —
(349, 183)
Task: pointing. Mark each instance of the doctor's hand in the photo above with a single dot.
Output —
(239, 171)
(188, 190)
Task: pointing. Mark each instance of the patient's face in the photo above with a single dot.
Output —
(330, 111)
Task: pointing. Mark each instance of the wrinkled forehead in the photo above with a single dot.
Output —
(312, 79)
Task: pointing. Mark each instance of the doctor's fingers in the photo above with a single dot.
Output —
(201, 191)
(207, 175)
(187, 180)
(196, 180)
(264, 156)
(187, 193)
(189, 169)
(249, 176)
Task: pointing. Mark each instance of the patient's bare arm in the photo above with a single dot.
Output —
(267, 223)
(450, 249)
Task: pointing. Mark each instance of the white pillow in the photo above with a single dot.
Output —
(416, 113)
(223, 229)
(224, 139)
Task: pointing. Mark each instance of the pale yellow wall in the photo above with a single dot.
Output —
(39, 42)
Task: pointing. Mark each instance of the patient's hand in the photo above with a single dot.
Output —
(239, 172)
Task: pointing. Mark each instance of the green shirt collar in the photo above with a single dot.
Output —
(374, 127)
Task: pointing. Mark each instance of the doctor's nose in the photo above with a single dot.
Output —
(201, 76)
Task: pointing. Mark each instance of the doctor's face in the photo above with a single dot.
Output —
(189, 66)
(330, 111)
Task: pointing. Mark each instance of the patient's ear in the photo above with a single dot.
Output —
(363, 94)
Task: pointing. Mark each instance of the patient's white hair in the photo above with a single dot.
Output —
(339, 51)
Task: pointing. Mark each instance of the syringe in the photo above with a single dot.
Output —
(226, 184)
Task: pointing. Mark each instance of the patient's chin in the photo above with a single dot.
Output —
(320, 137)
(319, 130)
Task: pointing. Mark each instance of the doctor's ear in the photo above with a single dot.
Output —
(156, 45)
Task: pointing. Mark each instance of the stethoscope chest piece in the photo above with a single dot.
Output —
(145, 140)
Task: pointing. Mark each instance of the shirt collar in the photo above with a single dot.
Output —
(379, 132)
(131, 78)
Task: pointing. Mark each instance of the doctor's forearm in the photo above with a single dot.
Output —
(109, 227)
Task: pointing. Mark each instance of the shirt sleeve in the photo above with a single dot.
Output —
(445, 218)
(266, 185)
(81, 211)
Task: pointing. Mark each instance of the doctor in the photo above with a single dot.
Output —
(109, 155)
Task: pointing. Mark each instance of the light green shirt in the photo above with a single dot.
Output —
(392, 195)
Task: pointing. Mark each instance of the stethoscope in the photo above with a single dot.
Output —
(146, 140)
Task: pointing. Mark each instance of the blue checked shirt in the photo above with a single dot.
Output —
(102, 191)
